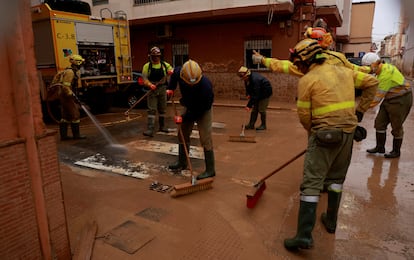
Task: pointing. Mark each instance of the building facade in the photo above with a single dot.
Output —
(221, 35)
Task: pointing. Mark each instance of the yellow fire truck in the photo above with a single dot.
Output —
(103, 42)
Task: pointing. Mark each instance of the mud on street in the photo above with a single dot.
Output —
(134, 222)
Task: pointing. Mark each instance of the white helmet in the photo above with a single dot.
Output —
(369, 58)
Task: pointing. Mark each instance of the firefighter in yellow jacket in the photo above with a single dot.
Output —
(69, 103)
(397, 99)
(326, 109)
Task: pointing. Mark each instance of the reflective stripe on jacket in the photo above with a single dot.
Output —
(328, 101)
(332, 57)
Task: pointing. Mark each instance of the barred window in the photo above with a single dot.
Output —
(179, 53)
(264, 46)
(99, 2)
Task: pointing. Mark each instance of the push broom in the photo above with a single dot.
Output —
(242, 137)
(257, 190)
(136, 103)
(194, 185)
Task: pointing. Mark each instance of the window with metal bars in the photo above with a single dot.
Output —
(179, 53)
(264, 46)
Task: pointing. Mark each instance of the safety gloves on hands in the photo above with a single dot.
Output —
(170, 72)
(152, 87)
(256, 57)
(360, 133)
(178, 119)
(359, 115)
(170, 93)
(248, 109)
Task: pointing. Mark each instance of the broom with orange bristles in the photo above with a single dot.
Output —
(194, 185)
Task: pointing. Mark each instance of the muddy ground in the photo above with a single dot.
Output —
(134, 222)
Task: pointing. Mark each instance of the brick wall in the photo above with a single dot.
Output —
(229, 86)
(52, 189)
(18, 224)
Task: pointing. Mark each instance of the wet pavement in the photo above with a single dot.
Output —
(376, 217)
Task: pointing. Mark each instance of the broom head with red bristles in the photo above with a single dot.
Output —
(255, 193)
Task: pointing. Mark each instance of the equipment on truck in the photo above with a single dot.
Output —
(103, 42)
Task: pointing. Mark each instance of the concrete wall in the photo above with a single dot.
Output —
(32, 221)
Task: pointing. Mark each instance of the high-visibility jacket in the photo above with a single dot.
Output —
(332, 57)
(326, 97)
(362, 78)
(391, 83)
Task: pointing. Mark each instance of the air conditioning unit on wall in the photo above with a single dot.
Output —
(164, 31)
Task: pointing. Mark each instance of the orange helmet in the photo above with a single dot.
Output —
(318, 33)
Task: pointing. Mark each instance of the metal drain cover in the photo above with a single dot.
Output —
(154, 214)
(129, 236)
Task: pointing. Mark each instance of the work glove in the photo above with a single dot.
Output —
(359, 115)
(360, 133)
(257, 58)
(248, 109)
(170, 72)
(178, 119)
(170, 93)
(153, 87)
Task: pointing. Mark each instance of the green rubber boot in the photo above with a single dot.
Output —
(306, 222)
(329, 218)
(210, 169)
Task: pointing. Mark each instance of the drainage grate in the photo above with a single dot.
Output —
(154, 214)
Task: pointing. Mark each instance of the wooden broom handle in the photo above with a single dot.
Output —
(282, 166)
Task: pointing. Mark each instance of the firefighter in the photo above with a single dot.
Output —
(326, 109)
(197, 98)
(69, 103)
(397, 98)
(258, 90)
(155, 73)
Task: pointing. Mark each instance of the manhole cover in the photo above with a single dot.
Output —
(129, 236)
(154, 214)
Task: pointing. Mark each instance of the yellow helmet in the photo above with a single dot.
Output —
(305, 50)
(243, 72)
(191, 72)
(76, 59)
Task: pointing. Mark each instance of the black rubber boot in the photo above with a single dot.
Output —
(161, 121)
(380, 148)
(252, 121)
(306, 222)
(263, 119)
(330, 217)
(76, 131)
(396, 147)
(210, 168)
(150, 130)
(63, 131)
(181, 164)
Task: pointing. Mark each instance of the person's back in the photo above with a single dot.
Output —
(327, 88)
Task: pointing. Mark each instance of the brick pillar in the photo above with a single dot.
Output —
(33, 221)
